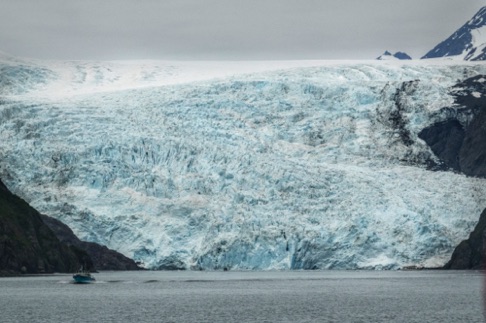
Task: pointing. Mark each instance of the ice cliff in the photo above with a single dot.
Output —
(302, 168)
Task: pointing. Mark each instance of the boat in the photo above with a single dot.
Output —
(83, 277)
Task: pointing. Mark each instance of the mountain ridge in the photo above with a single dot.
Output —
(389, 56)
(460, 143)
(34, 243)
(102, 257)
(467, 43)
(27, 245)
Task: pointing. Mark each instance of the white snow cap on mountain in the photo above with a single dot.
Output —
(467, 43)
(387, 56)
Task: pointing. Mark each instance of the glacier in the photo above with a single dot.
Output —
(240, 166)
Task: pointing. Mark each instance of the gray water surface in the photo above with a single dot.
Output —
(302, 296)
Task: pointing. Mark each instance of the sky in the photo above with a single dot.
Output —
(227, 29)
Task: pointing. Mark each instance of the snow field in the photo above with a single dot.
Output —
(299, 168)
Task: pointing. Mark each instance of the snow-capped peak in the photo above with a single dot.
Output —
(397, 56)
(467, 43)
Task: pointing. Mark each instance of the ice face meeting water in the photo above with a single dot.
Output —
(299, 168)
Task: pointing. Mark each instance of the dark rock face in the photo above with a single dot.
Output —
(460, 143)
(472, 157)
(103, 258)
(398, 55)
(397, 118)
(469, 254)
(402, 56)
(27, 245)
(33, 243)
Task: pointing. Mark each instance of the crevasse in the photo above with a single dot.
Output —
(304, 168)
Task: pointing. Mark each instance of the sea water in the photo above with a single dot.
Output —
(297, 296)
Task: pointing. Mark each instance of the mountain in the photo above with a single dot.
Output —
(460, 143)
(470, 253)
(467, 43)
(102, 257)
(397, 56)
(27, 245)
(31, 242)
(460, 140)
(308, 167)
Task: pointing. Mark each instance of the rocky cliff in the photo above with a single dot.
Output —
(397, 56)
(469, 254)
(460, 143)
(103, 258)
(460, 140)
(27, 245)
(33, 243)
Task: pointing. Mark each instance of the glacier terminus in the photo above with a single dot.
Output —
(221, 165)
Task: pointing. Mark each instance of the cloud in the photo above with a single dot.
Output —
(227, 29)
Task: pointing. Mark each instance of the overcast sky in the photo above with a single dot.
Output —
(227, 29)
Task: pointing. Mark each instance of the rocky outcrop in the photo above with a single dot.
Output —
(27, 245)
(460, 143)
(397, 56)
(103, 258)
(472, 157)
(445, 139)
(32, 243)
(470, 253)
(460, 140)
(397, 114)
